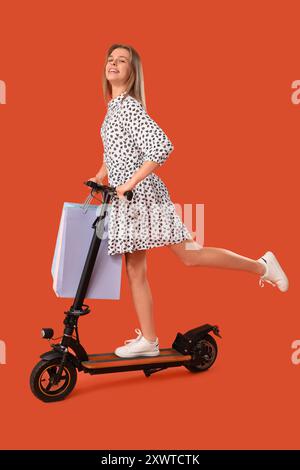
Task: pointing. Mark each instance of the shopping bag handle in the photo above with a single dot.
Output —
(107, 189)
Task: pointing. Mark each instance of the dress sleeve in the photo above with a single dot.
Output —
(146, 133)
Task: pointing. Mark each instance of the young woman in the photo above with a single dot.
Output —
(134, 147)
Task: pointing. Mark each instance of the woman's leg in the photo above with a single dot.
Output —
(136, 268)
(193, 254)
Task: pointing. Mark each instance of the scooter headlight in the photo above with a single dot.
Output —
(47, 333)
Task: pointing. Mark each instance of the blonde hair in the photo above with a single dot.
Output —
(135, 82)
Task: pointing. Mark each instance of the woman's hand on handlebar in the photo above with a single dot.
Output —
(96, 179)
(120, 190)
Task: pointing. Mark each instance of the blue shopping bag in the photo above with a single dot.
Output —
(72, 244)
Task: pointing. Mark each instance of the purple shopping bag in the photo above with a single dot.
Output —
(73, 241)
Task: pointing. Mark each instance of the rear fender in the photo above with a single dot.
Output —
(184, 343)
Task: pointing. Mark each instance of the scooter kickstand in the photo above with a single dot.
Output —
(148, 372)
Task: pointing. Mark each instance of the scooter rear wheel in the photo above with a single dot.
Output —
(204, 354)
(41, 380)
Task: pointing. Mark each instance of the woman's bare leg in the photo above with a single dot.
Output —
(193, 254)
(136, 268)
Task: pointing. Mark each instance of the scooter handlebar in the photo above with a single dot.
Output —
(100, 187)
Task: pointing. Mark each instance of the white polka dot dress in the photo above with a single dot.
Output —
(131, 137)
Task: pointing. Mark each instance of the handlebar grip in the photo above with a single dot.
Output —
(129, 195)
(99, 187)
(96, 187)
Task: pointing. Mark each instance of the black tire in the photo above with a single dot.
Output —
(204, 355)
(43, 372)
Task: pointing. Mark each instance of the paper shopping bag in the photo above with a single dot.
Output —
(72, 245)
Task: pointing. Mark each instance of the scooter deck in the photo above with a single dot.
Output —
(104, 360)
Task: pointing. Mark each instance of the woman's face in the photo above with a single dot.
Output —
(118, 66)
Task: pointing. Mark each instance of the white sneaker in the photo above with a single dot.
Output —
(139, 346)
(274, 273)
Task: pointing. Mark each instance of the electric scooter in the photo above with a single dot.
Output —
(55, 375)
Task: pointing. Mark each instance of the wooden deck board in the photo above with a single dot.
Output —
(97, 361)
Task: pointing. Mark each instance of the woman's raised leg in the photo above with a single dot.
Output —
(193, 254)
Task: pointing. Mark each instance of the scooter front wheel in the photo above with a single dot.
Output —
(42, 380)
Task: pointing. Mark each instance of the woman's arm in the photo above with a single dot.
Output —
(102, 172)
(154, 144)
(145, 170)
(100, 175)
(151, 140)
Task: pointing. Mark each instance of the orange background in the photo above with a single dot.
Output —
(218, 80)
